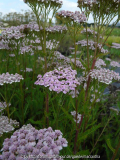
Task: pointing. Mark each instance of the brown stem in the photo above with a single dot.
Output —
(89, 78)
(76, 136)
(114, 155)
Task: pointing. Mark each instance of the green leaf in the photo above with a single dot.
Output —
(84, 135)
(110, 146)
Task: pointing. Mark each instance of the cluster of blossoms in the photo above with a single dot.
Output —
(10, 78)
(75, 17)
(25, 49)
(94, 97)
(28, 70)
(104, 75)
(100, 63)
(114, 64)
(11, 55)
(78, 116)
(6, 125)
(12, 33)
(73, 94)
(30, 141)
(59, 80)
(89, 31)
(33, 26)
(108, 59)
(3, 105)
(116, 45)
(46, 2)
(92, 45)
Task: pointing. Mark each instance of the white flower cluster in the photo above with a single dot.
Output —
(114, 64)
(78, 116)
(30, 141)
(99, 63)
(89, 31)
(104, 75)
(76, 17)
(116, 45)
(10, 78)
(3, 105)
(50, 2)
(6, 126)
(92, 45)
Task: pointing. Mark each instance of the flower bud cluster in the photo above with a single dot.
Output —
(3, 105)
(10, 78)
(6, 125)
(75, 17)
(30, 141)
(104, 75)
(59, 80)
(92, 45)
(78, 116)
(114, 64)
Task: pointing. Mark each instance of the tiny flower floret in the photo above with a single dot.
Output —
(59, 80)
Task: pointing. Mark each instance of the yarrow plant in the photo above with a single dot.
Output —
(57, 84)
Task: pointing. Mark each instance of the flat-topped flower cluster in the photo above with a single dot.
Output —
(10, 78)
(6, 125)
(59, 80)
(3, 105)
(104, 75)
(30, 141)
(75, 17)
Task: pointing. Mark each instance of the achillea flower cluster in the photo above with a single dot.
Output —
(116, 45)
(28, 70)
(78, 116)
(99, 63)
(46, 2)
(89, 31)
(92, 45)
(9, 78)
(3, 105)
(104, 75)
(75, 17)
(108, 59)
(114, 64)
(30, 141)
(11, 55)
(6, 125)
(59, 80)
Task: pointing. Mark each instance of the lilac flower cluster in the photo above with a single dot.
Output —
(78, 116)
(59, 80)
(30, 141)
(72, 93)
(116, 45)
(99, 63)
(50, 2)
(35, 27)
(104, 75)
(92, 45)
(28, 70)
(89, 31)
(9, 78)
(114, 64)
(3, 105)
(11, 55)
(75, 17)
(6, 125)
(13, 33)
(108, 59)
(25, 49)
